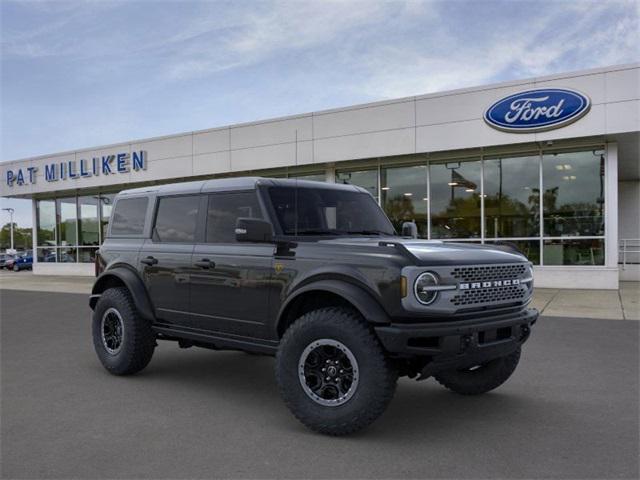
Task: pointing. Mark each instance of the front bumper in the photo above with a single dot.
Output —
(462, 344)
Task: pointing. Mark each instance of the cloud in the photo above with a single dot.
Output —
(557, 39)
(262, 33)
(102, 72)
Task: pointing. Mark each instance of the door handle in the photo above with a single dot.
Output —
(149, 261)
(205, 263)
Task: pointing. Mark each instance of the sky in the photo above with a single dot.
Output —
(87, 73)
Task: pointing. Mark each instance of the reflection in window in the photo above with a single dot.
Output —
(455, 199)
(67, 221)
(367, 179)
(66, 255)
(573, 198)
(129, 216)
(324, 211)
(405, 198)
(574, 251)
(88, 224)
(223, 212)
(46, 222)
(512, 197)
(87, 254)
(46, 254)
(106, 204)
(176, 219)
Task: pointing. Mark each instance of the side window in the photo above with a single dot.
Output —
(224, 209)
(128, 216)
(176, 219)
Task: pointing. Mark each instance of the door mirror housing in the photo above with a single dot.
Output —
(409, 229)
(253, 230)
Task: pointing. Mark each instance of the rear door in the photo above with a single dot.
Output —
(165, 259)
(230, 287)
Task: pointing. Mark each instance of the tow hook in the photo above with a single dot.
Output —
(465, 343)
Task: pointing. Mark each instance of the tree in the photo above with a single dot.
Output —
(22, 237)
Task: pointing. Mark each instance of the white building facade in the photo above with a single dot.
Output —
(549, 164)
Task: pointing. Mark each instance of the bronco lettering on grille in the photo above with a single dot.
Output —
(493, 283)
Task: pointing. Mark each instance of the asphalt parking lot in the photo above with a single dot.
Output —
(570, 411)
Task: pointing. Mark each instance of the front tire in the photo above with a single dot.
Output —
(124, 341)
(480, 379)
(16, 268)
(357, 382)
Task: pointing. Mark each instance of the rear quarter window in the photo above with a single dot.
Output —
(176, 219)
(128, 216)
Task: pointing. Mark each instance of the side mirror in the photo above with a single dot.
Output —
(409, 229)
(253, 230)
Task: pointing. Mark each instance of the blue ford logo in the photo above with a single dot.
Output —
(537, 110)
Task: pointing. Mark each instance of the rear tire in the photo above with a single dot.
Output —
(482, 379)
(361, 380)
(16, 268)
(124, 341)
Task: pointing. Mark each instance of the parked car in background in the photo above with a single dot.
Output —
(4, 258)
(23, 261)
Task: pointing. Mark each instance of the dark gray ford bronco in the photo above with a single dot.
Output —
(314, 274)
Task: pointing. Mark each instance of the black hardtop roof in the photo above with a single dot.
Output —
(231, 184)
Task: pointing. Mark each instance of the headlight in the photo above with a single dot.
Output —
(425, 288)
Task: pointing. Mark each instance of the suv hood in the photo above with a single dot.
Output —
(436, 252)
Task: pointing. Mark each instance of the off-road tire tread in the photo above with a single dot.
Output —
(143, 343)
(483, 380)
(344, 318)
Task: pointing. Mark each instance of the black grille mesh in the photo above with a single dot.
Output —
(489, 272)
(494, 294)
(490, 295)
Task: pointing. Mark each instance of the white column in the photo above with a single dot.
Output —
(34, 232)
(330, 173)
(611, 205)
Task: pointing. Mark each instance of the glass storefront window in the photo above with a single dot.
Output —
(512, 197)
(47, 254)
(315, 177)
(573, 198)
(88, 222)
(405, 196)
(87, 254)
(367, 179)
(67, 221)
(46, 222)
(574, 251)
(455, 199)
(530, 248)
(66, 255)
(70, 229)
(106, 205)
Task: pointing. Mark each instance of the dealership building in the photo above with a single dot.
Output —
(550, 164)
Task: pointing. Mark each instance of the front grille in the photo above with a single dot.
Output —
(488, 272)
(492, 294)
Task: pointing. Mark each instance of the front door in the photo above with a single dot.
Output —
(231, 281)
(165, 259)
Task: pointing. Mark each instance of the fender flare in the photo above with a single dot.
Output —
(134, 284)
(362, 300)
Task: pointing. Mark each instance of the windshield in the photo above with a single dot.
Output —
(324, 211)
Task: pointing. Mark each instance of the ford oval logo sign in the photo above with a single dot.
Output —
(537, 110)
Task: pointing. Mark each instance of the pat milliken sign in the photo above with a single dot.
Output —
(118, 163)
(537, 110)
